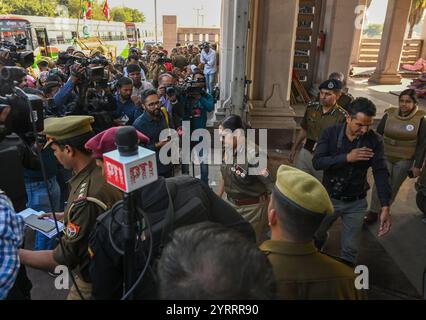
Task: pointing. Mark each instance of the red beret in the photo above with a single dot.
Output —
(105, 142)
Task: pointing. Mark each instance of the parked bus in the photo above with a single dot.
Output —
(47, 36)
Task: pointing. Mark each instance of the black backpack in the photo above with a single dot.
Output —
(187, 204)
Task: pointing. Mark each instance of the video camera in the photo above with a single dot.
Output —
(20, 119)
(192, 88)
(24, 58)
(92, 73)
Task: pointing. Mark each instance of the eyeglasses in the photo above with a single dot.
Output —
(152, 104)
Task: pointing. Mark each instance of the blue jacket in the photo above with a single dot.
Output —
(152, 129)
(206, 104)
(127, 108)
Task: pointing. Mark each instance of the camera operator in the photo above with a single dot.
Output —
(139, 85)
(101, 104)
(171, 99)
(66, 93)
(157, 67)
(197, 104)
(126, 111)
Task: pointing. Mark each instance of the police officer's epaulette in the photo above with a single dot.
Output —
(80, 201)
(342, 110)
(345, 262)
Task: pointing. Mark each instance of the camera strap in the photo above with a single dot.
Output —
(339, 148)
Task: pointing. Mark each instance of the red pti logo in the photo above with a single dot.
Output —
(141, 171)
(114, 173)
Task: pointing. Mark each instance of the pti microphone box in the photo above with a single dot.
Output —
(130, 173)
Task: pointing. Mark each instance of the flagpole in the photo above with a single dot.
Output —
(78, 19)
(155, 21)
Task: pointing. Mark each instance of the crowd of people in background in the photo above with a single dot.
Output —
(280, 227)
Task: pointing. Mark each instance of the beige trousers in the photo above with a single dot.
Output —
(256, 215)
(304, 163)
(84, 287)
(398, 174)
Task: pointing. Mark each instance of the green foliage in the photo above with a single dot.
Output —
(47, 8)
(29, 7)
(373, 30)
(124, 14)
(5, 8)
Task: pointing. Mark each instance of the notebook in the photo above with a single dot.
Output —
(46, 226)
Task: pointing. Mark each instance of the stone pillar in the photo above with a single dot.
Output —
(226, 51)
(339, 27)
(239, 57)
(392, 42)
(272, 41)
(361, 11)
(169, 32)
(423, 55)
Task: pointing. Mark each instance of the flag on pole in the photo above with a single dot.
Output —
(83, 11)
(89, 9)
(105, 10)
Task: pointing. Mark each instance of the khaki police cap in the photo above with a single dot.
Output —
(303, 190)
(66, 127)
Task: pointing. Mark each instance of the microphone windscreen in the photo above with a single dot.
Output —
(126, 140)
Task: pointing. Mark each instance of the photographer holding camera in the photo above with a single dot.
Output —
(197, 104)
(172, 100)
(345, 152)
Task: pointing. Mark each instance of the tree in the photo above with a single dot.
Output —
(124, 14)
(5, 8)
(48, 8)
(373, 30)
(31, 7)
(416, 14)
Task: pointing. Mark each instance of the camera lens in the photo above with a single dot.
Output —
(170, 90)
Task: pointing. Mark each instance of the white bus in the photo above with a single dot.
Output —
(47, 36)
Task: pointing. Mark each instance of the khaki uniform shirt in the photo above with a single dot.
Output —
(239, 184)
(302, 272)
(80, 217)
(315, 121)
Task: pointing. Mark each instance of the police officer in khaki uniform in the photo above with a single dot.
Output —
(404, 136)
(89, 196)
(318, 116)
(345, 98)
(298, 204)
(247, 185)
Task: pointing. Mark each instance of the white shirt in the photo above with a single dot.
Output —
(209, 61)
(144, 86)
